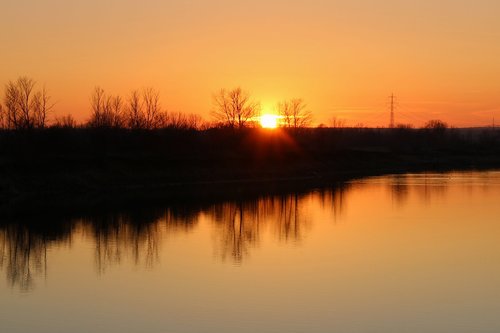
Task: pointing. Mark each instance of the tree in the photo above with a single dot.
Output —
(97, 101)
(337, 122)
(153, 116)
(135, 117)
(25, 108)
(234, 107)
(294, 113)
(107, 110)
(115, 110)
(144, 110)
(436, 124)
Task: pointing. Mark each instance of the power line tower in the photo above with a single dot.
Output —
(392, 99)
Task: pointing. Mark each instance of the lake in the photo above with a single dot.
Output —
(397, 253)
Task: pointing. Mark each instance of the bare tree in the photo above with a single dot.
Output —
(234, 107)
(222, 111)
(25, 108)
(116, 113)
(97, 101)
(144, 111)
(24, 102)
(107, 110)
(153, 116)
(337, 122)
(294, 113)
(41, 107)
(135, 116)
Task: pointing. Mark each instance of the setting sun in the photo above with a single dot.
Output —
(269, 121)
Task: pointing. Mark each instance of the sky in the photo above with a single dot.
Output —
(441, 59)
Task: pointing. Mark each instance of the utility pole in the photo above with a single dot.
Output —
(391, 124)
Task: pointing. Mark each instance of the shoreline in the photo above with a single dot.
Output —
(122, 196)
(74, 169)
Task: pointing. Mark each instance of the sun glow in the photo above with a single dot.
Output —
(269, 121)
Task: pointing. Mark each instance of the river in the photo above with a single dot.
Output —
(397, 253)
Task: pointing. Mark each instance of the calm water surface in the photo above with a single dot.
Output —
(405, 253)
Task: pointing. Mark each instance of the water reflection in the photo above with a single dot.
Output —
(238, 224)
(116, 238)
(334, 201)
(23, 255)
(399, 189)
(136, 235)
(429, 187)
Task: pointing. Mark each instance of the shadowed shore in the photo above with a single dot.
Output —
(61, 168)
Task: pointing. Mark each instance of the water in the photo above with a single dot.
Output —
(405, 253)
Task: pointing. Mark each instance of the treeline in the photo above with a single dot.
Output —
(235, 114)
(141, 110)
(26, 107)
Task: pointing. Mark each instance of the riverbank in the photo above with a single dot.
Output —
(77, 169)
(80, 192)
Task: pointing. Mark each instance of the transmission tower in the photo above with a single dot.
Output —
(392, 99)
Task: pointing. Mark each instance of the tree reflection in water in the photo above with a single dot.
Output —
(24, 246)
(23, 254)
(136, 235)
(239, 224)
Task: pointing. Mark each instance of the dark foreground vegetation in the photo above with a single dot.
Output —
(58, 166)
(132, 148)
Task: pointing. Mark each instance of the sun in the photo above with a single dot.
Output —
(269, 121)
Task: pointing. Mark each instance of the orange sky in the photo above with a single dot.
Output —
(441, 58)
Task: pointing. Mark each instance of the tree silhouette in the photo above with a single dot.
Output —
(294, 113)
(25, 108)
(153, 116)
(144, 111)
(135, 116)
(337, 122)
(234, 108)
(436, 124)
(107, 110)
(116, 110)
